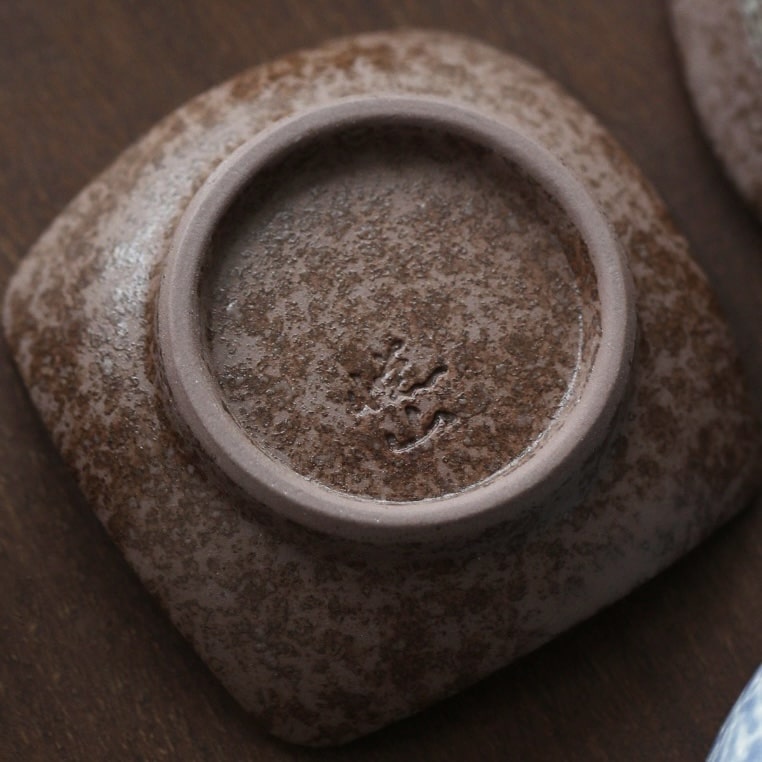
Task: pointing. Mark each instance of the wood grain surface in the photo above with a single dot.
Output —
(90, 668)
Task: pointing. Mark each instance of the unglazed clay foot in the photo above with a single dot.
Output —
(721, 46)
(382, 365)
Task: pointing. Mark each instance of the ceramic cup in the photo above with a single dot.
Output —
(382, 365)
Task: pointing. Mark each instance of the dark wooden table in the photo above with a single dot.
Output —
(90, 668)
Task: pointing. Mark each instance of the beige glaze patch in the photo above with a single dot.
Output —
(751, 11)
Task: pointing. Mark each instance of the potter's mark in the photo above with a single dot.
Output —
(405, 407)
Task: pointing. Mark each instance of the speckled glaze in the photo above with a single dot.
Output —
(325, 638)
(350, 439)
(721, 46)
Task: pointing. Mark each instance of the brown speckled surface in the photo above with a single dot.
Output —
(324, 641)
(396, 315)
(721, 46)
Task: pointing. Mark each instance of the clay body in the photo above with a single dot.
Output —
(326, 636)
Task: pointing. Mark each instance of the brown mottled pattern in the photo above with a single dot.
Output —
(324, 640)
(394, 314)
(720, 43)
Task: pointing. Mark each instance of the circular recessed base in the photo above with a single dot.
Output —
(397, 313)
(361, 388)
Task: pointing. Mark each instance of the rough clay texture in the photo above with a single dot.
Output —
(394, 314)
(721, 46)
(325, 640)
